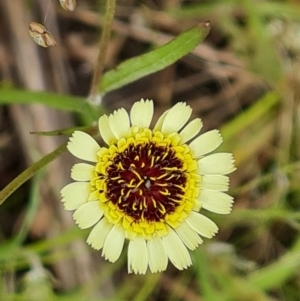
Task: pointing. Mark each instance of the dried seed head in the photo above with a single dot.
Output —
(69, 5)
(41, 35)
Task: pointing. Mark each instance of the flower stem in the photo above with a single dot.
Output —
(105, 36)
(29, 172)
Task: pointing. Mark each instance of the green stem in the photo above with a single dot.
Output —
(105, 36)
(29, 172)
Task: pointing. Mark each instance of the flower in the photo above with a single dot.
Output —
(147, 186)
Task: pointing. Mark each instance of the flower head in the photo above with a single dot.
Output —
(147, 186)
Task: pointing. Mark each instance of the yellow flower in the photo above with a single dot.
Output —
(147, 186)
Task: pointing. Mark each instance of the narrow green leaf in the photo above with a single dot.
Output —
(67, 131)
(29, 172)
(31, 210)
(203, 9)
(263, 56)
(282, 10)
(277, 273)
(249, 117)
(265, 9)
(53, 100)
(205, 276)
(153, 61)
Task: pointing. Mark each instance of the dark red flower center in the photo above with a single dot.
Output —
(146, 181)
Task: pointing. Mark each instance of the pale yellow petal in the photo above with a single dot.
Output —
(201, 224)
(99, 233)
(205, 143)
(88, 214)
(189, 236)
(113, 244)
(141, 113)
(176, 250)
(215, 182)
(75, 194)
(105, 131)
(82, 172)
(220, 163)
(197, 206)
(160, 121)
(158, 259)
(138, 258)
(119, 123)
(176, 118)
(83, 146)
(216, 201)
(191, 130)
